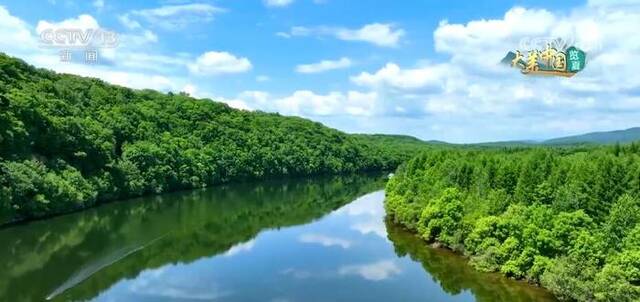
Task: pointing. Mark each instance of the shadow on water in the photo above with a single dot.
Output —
(78, 256)
(454, 274)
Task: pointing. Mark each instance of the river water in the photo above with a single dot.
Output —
(321, 239)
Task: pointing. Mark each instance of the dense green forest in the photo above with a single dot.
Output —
(456, 277)
(566, 218)
(68, 142)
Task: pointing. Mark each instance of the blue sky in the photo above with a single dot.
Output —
(423, 68)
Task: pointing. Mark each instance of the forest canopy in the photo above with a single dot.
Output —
(566, 218)
(69, 142)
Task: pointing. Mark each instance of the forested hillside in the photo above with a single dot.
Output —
(610, 137)
(565, 218)
(68, 142)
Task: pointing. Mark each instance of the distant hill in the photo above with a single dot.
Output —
(510, 144)
(604, 137)
(394, 137)
(608, 137)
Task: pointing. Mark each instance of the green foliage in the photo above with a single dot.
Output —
(67, 142)
(567, 218)
(441, 218)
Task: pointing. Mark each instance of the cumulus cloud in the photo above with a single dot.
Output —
(214, 62)
(324, 65)
(81, 22)
(308, 103)
(471, 86)
(380, 34)
(392, 75)
(16, 35)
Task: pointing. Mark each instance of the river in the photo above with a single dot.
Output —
(320, 239)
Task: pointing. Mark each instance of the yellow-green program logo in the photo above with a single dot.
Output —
(549, 61)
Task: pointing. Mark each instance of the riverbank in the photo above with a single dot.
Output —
(305, 239)
(369, 173)
(567, 219)
(454, 272)
(69, 142)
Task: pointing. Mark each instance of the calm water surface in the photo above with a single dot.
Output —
(297, 240)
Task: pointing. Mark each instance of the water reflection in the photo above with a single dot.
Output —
(302, 240)
(454, 275)
(79, 255)
(376, 271)
(325, 240)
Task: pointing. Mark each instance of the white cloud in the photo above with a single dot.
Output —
(259, 98)
(324, 65)
(499, 103)
(190, 89)
(262, 78)
(234, 103)
(377, 33)
(16, 35)
(177, 16)
(277, 3)
(213, 62)
(308, 103)
(325, 240)
(380, 34)
(237, 103)
(81, 22)
(376, 271)
(132, 79)
(393, 76)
